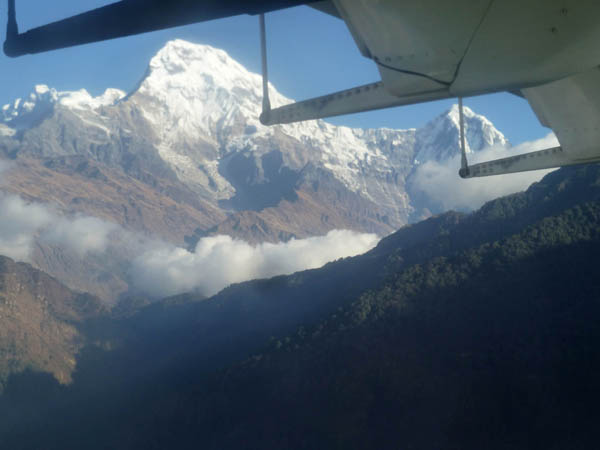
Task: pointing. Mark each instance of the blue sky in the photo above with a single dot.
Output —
(310, 54)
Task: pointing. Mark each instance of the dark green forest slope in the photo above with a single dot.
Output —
(461, 332)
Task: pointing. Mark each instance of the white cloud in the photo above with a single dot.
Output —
(22, 222)
(5, 165)
(80, 234)
(19, 222)
(442, 185)
(161, 269)
(220, 261)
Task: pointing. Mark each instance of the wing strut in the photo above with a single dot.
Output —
(464, 165)
(12, 29)
(266, 104)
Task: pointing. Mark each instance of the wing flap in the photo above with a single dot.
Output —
(541, 159)
(362, 98)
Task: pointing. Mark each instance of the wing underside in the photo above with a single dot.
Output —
(129, 17)
(362, 98)
(542, 159)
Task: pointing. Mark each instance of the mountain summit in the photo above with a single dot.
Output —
(439, 139)
(199, 87)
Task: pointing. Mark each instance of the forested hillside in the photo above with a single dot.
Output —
(460, 332)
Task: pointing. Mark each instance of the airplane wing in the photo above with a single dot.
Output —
(571, 107)
(544, 50)
(129, 17)
(362, 98)
(327, 7)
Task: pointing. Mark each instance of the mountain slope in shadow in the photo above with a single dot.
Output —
(463, 331)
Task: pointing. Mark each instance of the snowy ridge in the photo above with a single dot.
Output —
(193, 88)
(199, 108)
(194, 92)
(25, 113)
(439, 140)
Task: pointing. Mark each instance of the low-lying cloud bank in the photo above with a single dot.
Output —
(159, 269)
(81, 234)
(441, 183)
(21, 223)
(219, 261)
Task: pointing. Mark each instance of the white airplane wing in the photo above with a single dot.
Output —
(571, 107)
(545, 50)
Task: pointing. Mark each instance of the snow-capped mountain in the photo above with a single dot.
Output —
(205, 108)
(26, 113)
(440, 138)
(193, 118)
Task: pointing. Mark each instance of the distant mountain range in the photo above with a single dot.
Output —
(190, 131)
(183, 156)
